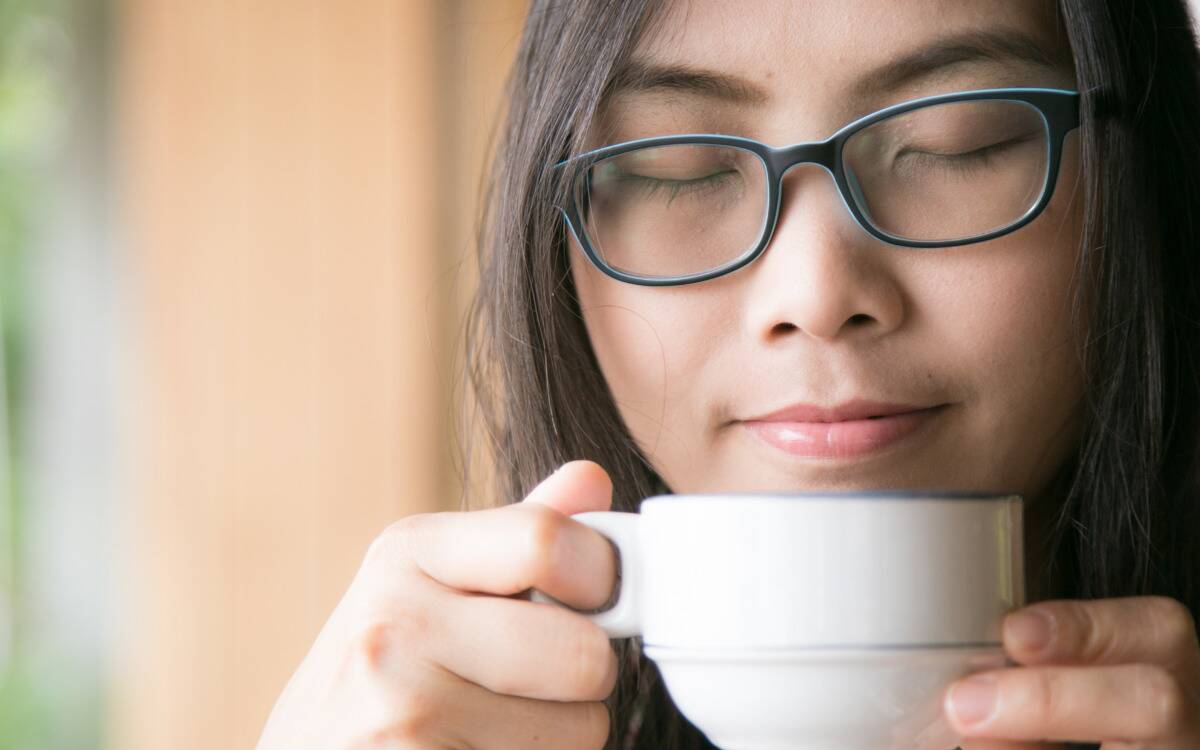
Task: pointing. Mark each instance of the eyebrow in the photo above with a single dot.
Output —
(995, 45)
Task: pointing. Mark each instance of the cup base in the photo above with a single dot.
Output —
(820, 698)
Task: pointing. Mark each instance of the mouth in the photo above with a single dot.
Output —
(851, 431)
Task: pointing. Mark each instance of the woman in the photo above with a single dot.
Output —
(1000, 330)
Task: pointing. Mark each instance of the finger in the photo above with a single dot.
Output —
(430, 707)
(576, 487)
(1010, 745)
(523, 648)
(509, 550)
(481, 719)
(1127, 630)
(1130, 702)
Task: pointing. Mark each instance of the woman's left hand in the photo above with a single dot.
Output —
(1121, 672)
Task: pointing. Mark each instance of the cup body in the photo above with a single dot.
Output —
(820, 699)
(856, 570)
(829, 621)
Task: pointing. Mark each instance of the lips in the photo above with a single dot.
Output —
(849, 411)
(849, 430)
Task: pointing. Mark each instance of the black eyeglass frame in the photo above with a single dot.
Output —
(1059, 109)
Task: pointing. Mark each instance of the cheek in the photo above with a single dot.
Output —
(650, 343)
(1032, 295)
(1009, 322)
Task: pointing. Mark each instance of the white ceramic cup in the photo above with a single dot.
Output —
(816, 621)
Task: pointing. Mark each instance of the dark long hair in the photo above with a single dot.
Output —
(1128, 519)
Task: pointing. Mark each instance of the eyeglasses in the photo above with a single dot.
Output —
(944, 170)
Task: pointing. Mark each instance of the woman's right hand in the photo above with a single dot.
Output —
(431, 648)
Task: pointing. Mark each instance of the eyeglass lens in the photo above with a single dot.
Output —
(951, 171)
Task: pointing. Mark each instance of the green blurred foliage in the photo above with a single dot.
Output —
(31, 114)
(35, 64)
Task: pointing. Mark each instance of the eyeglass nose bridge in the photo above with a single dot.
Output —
(822, 153)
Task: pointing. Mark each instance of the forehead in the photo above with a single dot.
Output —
(822, 48)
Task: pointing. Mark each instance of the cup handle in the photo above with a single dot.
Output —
(623, 619)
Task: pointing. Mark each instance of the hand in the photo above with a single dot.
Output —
(431, 647)
(1121, 672)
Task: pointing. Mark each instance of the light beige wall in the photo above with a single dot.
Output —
(286, 168)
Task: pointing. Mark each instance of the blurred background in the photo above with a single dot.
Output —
(235, 243)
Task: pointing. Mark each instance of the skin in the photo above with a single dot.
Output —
(829, 314)
(435, 644)
(433, 647)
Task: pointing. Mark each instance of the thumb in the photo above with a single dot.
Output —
(1008, 745)
(576, 487)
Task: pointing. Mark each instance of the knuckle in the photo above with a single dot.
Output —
(1173, 621)
(506, 683)
(410, 625)
(394, 541)
(543, 531)
(397, 710)
(387, 739)
(414, 718)
(1164, 699)
(1043, 696)
(593, 662)
(377, 639)
(378, 741)
(1093, 641)
(371, 644)
(416, 715)
(596, 725)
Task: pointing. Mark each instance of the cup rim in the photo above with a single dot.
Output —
(816, 651)
(785, 496)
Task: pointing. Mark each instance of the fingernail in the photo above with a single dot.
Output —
(1030, 629)
(973, 700)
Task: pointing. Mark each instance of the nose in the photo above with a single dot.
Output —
(821, 276)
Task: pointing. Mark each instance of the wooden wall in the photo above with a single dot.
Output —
(296, 183)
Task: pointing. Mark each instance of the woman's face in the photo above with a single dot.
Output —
(975, 342)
